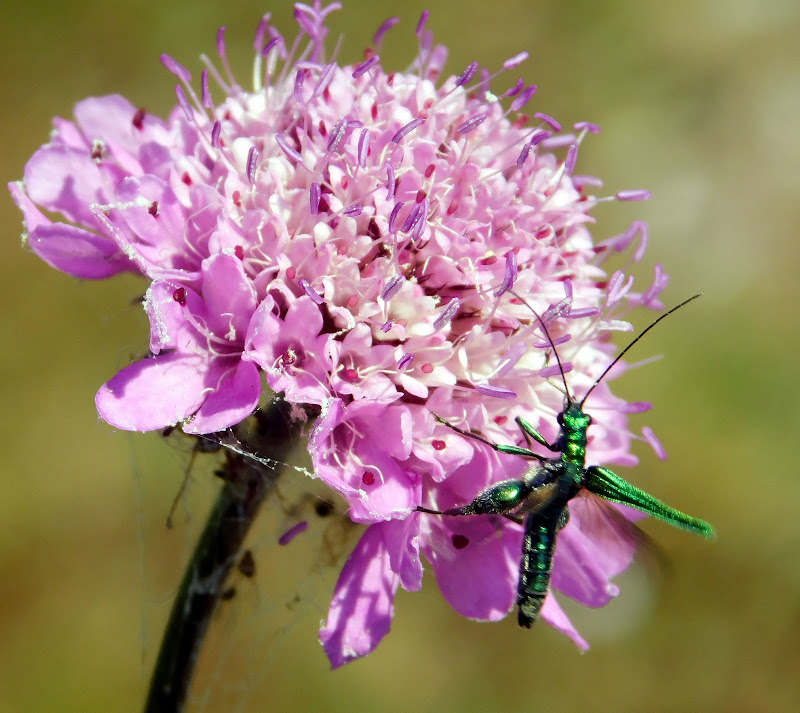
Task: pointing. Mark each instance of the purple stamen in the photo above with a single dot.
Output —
(553, 370)
(300, 77)
(471, 124)
(515, 61)
(519, 85)
(293, 532)
(447, 313)
(258, 40)
(337, 134)
(271, 45)
(620, 242)
(252, 161)
(316, 298)
(582, 312)
(635, 195)
(421, 221)
(497, 392)
(592, 181)
(387, 326)
(413, 217)
(523, 155)
(588, 126)
(405, 361)
(523, 98)
(184, 102)
(660, 281)
(288, 150)
(393, 216)
(392, 287)
(386, 25)
(221, 41)
(215, 131)
(511, 357)
(616, 290)
(409, 127)
(205, 93)
(655, 444)
(558, 142)
(540, 136)
(353, 210)
(391, 184)
(466, 76)
(636, 407)
(563, 339)
(425, 43)
(644, 230)
(363, 147)
(366, 66)
(572, 158)
(176, 68)
(313, 197)
(510, 274)
(557, 311)
(281, 43)
(547, 119)
(306, 23)
(325, 78)
(423, 18)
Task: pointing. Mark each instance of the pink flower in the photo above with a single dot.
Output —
(352, 234)
(200, 378)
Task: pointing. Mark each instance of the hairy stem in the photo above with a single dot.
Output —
(247, 484)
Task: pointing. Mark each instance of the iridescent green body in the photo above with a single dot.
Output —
(543, 494)
(538, 546)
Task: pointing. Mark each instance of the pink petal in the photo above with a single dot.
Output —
(577, 573)
(166, 230)
(392, 491)
(229, 296)
(173, 321)
(153, 393)
(402, 540)
(68, 182)
(554, 615)
(73, 250)
(361, 611)
(110, 118)
(606, 526)
(234, 399)
(479, 578)
(78, 252)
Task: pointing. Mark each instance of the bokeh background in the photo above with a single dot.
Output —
(699, 101)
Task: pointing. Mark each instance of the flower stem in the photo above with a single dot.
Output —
(247, 484)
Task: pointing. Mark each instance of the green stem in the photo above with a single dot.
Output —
(247, 484)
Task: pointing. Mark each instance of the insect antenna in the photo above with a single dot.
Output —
(549, 339)
(626, 349)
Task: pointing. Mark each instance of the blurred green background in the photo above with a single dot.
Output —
(699, 102)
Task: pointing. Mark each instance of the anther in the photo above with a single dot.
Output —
(310, 291)
(407, 129)
(179, 295)
(460, 541)
(635, 195)
(293, 532)
(466, 76)
(138, 119)
(547, 119)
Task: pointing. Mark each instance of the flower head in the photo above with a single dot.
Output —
(358, 238)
